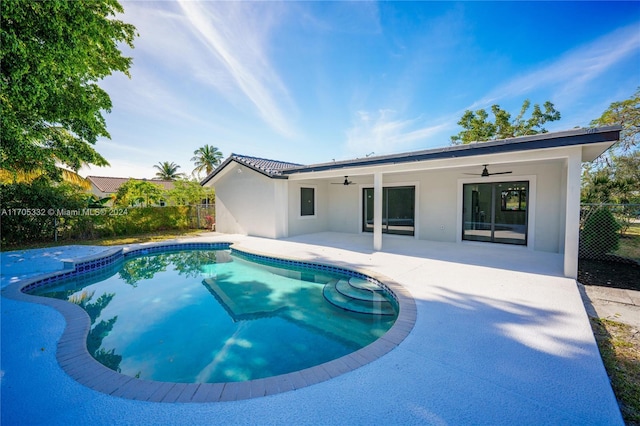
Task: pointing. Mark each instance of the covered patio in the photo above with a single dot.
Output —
(501, 337)
(522, 191)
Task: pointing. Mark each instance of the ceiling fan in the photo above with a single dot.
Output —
(486, 173)
(345, 183)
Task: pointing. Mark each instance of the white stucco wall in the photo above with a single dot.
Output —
(249, 203)
(339, 208)
(308, 224)
(549, 208)
(345, 209)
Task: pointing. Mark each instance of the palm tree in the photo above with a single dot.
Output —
(29, 176)
(206, 159)
(168, 171)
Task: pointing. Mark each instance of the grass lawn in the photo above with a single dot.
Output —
(630, 243)
(112, 241)
(619, 346)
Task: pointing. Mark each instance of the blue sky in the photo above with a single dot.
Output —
(308, 82)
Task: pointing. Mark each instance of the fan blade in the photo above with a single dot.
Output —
(500, 173)
(345, 182)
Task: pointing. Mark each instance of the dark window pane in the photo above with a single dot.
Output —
(398, 210)
(477, 212)
(495, 212)
(367, 205)
(307, 202)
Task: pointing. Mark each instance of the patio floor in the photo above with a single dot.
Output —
(500, 338)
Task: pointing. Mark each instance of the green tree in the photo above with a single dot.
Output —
(139, 193)
(627, 114)
(53, 54)
(188, 192)
(478, 127)
(168, 171)
(615, 178)
(616, 181)
(206, 158)
(43, 197)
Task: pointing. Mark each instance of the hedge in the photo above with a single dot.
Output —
(40, 212)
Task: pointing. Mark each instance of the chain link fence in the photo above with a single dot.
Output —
(114, 221)
(202, 216)
(610, 232)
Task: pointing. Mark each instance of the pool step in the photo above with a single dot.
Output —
(335, 297)
(347, 289)
(364, 284)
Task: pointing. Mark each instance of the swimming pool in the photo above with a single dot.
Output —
(207, 316)
(73, 357)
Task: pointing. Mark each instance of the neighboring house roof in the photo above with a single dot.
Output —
(278, 169)
(270, 168)
(111, 184)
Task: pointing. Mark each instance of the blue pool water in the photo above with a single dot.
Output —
(205, 316)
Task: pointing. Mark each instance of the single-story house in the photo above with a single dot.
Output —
(104, 187)
(522, 191)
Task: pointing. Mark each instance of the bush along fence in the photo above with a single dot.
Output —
(610, 232)
(19, 225)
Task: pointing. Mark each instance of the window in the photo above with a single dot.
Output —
(398, 210)
(307, 202)
(495, 212)
(514, 198)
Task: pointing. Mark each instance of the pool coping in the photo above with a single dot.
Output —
(73, 357)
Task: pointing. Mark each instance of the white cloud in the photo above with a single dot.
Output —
(145, 94)
(236, 33)
(568, 76)
(382, 133)
(218, 46)
(349, 17)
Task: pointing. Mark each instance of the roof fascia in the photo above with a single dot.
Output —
(230, 160)
(525, 143)
(541, 155)
(217, 170)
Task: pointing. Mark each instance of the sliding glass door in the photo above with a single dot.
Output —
(398, 210)
(496, 212)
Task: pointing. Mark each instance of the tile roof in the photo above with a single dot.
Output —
(271, 167)
(111, 184)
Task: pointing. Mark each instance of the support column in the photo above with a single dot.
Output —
(377, 211)
(572, 214)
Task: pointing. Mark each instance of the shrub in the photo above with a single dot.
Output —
(599, 235)
(41, 211)
(29, 210)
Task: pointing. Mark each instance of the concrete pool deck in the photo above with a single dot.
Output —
(500, 338)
